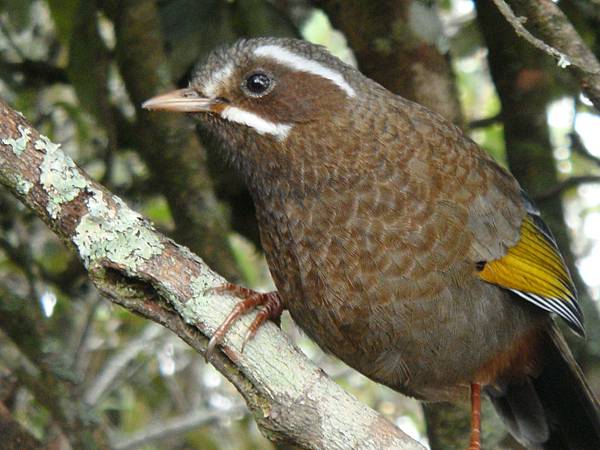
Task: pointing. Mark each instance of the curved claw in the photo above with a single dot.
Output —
(238, 311)
(273, 308)
(210, 348)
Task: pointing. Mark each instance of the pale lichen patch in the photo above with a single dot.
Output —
(59, 176)
(22, 185)
(20, 144)
(200, 288)
(204, 282)
(117, 234)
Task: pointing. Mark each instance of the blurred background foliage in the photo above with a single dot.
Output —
(78, 372)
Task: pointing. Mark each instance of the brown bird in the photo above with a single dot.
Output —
(396, 243)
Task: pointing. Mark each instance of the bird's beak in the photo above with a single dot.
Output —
(181, 100)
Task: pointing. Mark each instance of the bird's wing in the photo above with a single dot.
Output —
(534, 269)
(510, 244)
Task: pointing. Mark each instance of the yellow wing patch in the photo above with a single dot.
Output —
(535, 270)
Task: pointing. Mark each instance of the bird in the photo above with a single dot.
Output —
(396, 243)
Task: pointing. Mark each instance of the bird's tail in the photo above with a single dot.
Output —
(556, 410)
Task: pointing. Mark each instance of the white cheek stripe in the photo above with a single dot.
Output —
(210, 87)
(296, 62)
(279, 130)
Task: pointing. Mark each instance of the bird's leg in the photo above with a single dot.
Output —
(475, 441)
(272, 307)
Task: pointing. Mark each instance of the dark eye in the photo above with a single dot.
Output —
(258, 83)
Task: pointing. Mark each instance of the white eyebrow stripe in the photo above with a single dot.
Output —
(210, 87)
(279, 130)
(296, 62)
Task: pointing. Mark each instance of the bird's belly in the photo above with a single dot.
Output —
(430, 348)
(404, 309)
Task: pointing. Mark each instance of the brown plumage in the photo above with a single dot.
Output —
(396, 243)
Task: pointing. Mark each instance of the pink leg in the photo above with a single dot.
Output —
(475, 441)
(272, 307)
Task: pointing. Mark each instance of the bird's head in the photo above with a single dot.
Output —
(269, 98)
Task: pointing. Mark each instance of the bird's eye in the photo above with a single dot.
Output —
(258, 83)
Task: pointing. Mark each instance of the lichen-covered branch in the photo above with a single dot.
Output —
(560, 40)
(138, 268)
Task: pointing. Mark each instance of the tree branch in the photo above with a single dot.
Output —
(36, 73)
(577, 146)
(485, 122)
(563, 41)
(134, 266)
(566, 185)
(517, 23)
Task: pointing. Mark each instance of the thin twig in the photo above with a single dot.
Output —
(119, 362)
(560, 40)
(81, 349)
(565, 185)
(36, 72)
(485, 122)
(517, 23)
(177, 426)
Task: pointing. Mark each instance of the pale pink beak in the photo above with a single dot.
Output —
(181, 100)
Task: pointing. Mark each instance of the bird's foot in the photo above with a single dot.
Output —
(272, 307)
